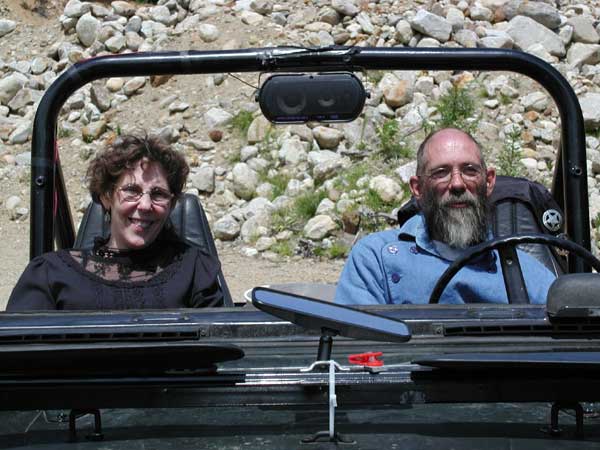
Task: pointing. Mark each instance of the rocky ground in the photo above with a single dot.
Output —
(286, 203)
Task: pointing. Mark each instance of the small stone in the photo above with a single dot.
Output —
(23, 159)
(583, 30)
(388, 190)
(134, 85)
(203, 179)
(263, 7)
(12, 202)
(176, 107)
(319, 227)
(87, 29)
(201, 145)
(93, 130)
(245, 181)
(217, 117)
(116, 43)
(258, 130)
(215, 135)
(327, 137)
(115, 84)
(431, 25)
(100, 96)
(123, 8)
(345, 7)
(264, 243)
(251, 18)
(7, 26)
(208, 32)
(226, 228)
(21, 134)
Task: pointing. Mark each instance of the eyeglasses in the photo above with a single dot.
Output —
(133, 193)
(469, 173)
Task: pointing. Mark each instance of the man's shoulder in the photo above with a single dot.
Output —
(379, 238)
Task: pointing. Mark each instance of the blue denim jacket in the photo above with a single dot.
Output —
(402, 266)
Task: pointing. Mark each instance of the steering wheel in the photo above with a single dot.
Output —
(509, 241)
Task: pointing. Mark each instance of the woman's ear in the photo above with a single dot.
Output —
(106, 201)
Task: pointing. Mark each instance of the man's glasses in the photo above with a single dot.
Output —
(469, 173)
(133, 193)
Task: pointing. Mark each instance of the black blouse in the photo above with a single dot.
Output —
(167, 274)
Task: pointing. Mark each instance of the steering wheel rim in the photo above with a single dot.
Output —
(510, 241)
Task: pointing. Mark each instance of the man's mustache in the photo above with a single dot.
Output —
(465, 198)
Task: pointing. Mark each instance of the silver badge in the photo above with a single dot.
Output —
(393, 249)
(552, 220)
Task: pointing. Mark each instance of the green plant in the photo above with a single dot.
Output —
(374, 202)
(88, 139)
(375, 76)
(64, 132)
(505, 99)
(338, 250)
(284, 219)
(305, 205)
(241, 122)
(389, 142)
(456, 110)
(349, 179)
(509, 158)
(279, 183)
(233, 157)
(283, 248)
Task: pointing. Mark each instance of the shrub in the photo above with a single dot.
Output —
(509, 158)
(390, 146)
(457, 110)
(241, 122)
(305, 205)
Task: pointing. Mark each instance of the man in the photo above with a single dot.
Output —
(451, 187)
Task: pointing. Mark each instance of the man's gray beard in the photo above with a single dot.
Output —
(457, 227)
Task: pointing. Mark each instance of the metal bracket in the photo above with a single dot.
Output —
(331, 435)
(77, 413)
(554, 430)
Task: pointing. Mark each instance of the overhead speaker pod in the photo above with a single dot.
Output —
(322, 97)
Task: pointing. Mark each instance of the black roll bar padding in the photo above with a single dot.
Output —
(44, 172)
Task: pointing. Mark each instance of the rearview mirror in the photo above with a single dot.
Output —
(332, 318)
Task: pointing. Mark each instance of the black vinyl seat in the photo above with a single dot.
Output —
(189, 222)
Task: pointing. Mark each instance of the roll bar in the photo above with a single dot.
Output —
(50, 213)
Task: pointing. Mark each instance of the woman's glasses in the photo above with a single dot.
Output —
(133, 193)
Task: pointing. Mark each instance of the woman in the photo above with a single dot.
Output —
(142, 264)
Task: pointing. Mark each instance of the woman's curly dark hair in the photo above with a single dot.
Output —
(124, 153)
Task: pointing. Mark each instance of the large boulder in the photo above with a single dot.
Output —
(526, 32)
(10, 85)
(87, 29)
(590, 106)
(7, 26)
(431, 25)
(584, 30)
(245, 181)
(319, 227)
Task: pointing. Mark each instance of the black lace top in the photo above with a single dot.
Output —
(167, 274)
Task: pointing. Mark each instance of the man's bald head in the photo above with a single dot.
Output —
(437, 138)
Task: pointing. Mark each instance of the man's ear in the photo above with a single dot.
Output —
(490, 180)
(415, 187)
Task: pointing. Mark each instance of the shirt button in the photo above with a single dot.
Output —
(413, 250)
(395, 278)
